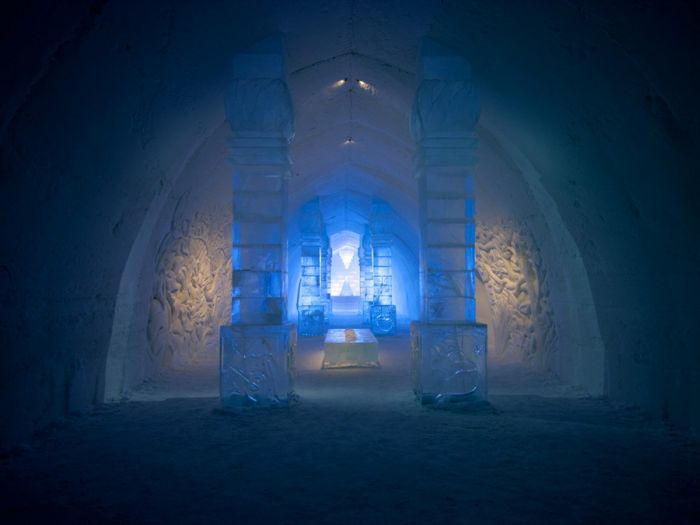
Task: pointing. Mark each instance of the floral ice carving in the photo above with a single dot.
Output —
(511, 267)
(191, 291)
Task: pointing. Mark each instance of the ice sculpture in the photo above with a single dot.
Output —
(257, 350)
(448, 346)
(382, 311)
(313, 302)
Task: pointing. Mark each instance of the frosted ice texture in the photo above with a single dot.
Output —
(257, 365)
(448, 362)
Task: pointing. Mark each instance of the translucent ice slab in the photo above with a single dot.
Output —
(344, 348)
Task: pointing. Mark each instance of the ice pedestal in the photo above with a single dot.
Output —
(383, 319)
(448, 362)
(257, 365)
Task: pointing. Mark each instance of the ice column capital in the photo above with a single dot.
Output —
(444, 110)
(260, 107)
(447, 103)
(257, 99)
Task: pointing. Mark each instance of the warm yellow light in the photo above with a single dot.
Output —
(364, 85)
(339, 83)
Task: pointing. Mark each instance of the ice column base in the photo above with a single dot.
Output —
(448, 362)
(256, 365)
(383, 319)
(313, 319)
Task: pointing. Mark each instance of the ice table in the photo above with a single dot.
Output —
(350, 348)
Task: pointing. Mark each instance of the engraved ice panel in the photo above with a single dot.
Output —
(448, 362)
(257, 365)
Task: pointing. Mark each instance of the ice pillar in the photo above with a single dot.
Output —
(366, 276)
(257, 349)
(314, 303)
(326, 256)
(448, 346)
(382, 311)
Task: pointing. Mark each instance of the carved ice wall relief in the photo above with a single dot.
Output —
(191, 295)
(511, 267)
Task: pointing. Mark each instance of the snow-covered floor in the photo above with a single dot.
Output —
(356, 450)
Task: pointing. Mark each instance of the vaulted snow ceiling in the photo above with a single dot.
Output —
(352, 127)
(352, 97)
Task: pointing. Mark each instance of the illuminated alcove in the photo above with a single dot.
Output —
(347, 215)
(345, 267)
(345, 289)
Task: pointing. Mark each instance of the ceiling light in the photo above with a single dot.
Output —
(366, 86)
